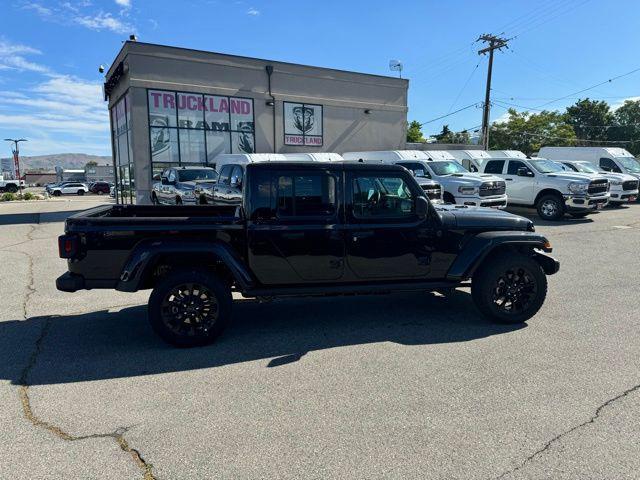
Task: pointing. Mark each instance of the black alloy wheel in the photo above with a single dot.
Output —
(189, 308)
(514, 291)
(509, 287)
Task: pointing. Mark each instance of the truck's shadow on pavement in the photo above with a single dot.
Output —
(102, 345)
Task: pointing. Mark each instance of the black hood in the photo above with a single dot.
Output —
(481, 218)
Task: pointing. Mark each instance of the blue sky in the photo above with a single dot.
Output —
(50, 89)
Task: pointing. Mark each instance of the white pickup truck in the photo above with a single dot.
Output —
(8, 185)
(460, 186)
(545, 185)
(624, 188)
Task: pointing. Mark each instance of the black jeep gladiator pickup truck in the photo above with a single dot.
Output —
(305, 229)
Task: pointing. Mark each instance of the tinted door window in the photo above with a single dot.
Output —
(306, 195)
(609, 165)
(381, 197)
(494, 166)
(513, 167)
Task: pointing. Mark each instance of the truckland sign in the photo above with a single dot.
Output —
(302, 124)
(227, 121)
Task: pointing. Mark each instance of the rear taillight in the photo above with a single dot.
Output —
(68, 246)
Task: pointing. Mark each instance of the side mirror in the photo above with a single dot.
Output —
(164, 181)
(156, 177)
(524, 172)
(422, 207)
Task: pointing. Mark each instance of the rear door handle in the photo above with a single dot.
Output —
(362, 234)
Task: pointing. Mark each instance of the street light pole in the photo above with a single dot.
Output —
(16, 157)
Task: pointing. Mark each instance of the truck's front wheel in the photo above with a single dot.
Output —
(189, 308)
(550, 207)
(510, 288)
(11, 188)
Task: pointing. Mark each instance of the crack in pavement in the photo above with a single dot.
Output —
(27, 409)
(558, 437)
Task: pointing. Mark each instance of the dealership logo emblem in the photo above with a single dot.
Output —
(303, 119)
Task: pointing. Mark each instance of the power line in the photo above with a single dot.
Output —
(452, 113)
(590, 88)
(465, 84)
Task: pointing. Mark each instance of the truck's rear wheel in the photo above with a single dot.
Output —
(189, 308)
(80, 192)
(11, 188)
(510, 288)
(550, 207)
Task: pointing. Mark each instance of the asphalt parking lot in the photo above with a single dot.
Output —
(402, 386)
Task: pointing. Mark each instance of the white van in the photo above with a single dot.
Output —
(471, 160)
(615, 160)
(506, 154)
(459, 185)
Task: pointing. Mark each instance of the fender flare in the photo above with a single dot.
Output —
(479, 247)
(147, 251)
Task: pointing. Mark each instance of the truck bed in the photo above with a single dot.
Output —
(155, 217)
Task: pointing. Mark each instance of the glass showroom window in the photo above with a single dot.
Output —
(120, 119)
(192, 129)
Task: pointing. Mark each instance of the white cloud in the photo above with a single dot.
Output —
(38, 8)
(617, 105)
(12, 56)
(80, 12)
(253, 12)
(103, 21)
(61, 104)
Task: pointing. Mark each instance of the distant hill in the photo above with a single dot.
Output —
(64, 160)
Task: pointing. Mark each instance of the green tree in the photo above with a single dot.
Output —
(414, 133)
(90, 163)
(529, 132)
(627, 126)
(448, 136)
(588, 117)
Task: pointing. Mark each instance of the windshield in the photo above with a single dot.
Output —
(446, 167)
(192, 175)
(630, 163)
(546, 166)
(585, 167)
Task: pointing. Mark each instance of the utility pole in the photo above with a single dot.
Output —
(495, 43)
(16, 157)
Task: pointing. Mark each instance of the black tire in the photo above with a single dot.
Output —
(178, 201)
(550, 207)
(11, 188)
(154, 199)
(57, 193)
(509, 288)
(448, 198)
(180, 322)
(80, 192)
(579, 214)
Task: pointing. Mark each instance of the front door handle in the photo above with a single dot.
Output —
(509, 179)
(292, 235)
(362, 234)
